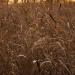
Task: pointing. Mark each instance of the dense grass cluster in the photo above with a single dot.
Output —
(37, 39)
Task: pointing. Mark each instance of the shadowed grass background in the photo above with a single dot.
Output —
(40, 33)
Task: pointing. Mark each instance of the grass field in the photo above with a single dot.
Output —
(37, 39)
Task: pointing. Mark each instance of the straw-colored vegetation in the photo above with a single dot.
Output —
(37, 39)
